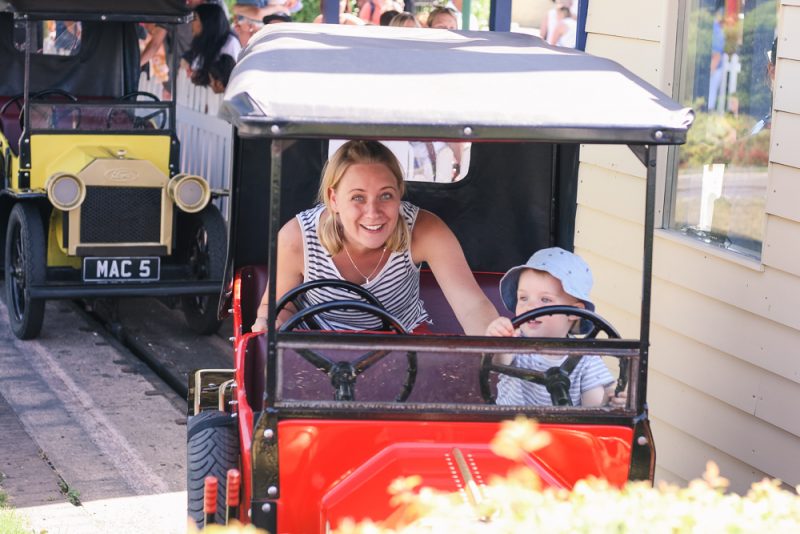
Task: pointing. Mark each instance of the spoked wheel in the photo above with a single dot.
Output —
(343, 374)
(206, 249)
(212, 448)
(556, 379)
(24, 266)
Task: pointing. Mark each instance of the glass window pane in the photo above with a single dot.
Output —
(726, 75)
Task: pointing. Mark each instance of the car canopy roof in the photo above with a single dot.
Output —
(142, 10)
(298, 80)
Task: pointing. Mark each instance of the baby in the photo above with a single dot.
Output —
(552, 276)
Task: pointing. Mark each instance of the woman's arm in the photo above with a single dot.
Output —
(433, 242)
(561, 28)
(289, 275)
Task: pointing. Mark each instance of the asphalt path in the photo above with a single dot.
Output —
(92, 440)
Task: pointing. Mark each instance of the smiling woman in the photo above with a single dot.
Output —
(362, 232)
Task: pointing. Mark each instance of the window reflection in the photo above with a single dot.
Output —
(51, 37)
(726, 76)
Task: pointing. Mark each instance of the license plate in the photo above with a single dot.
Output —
(121, 269)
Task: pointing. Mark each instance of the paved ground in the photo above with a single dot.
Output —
(82, 418)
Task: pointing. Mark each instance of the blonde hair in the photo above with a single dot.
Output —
(439, 11)
(352, 153)
(400, 20)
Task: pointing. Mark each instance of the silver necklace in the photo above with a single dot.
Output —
(366, 277)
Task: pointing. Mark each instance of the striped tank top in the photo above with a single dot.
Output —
(396, 286)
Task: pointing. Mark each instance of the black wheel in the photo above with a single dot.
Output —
(24, 266)
(555, 379)
(212, 448)
(205, 244)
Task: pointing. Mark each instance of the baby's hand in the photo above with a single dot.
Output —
(500, 327)
(618, 400)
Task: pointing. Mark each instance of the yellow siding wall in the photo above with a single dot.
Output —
(725, 357)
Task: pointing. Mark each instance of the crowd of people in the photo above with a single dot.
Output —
(209, 45)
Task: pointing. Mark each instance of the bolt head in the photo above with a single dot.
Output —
(272, 491)
(658, 134)
(641, 440)
(266, 507)
(467, 130)
(275, 129)
(269, 434)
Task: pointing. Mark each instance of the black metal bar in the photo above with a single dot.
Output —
(143, 289)
(276, 148)
(647, 273)
(24, 176)
(251, 126)
(469, 346)
(640, 151)
(105, 17)
(643, 452)
(393, 411)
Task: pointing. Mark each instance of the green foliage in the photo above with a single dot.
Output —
(724, 138)
(311, 8)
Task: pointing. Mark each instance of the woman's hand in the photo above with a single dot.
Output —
(260, 325)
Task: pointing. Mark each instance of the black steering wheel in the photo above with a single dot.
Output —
(343, 374)
(139, 123)
(18, 99)
(293, 296)
(556, 379)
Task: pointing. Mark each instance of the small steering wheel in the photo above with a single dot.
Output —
(294, 295)
(343, 374)
(556, 379)
(18, 99)
(139, 123)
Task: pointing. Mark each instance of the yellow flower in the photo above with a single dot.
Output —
(518, 437)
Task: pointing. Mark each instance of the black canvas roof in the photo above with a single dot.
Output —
(144, 10)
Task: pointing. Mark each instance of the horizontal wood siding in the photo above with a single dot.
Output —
(725, 331)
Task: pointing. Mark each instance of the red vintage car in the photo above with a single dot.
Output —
(320, 422)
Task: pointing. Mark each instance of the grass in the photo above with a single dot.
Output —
(10, 521)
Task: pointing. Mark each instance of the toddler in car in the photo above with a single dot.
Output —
(552, 276)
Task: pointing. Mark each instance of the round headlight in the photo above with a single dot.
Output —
(65, 191)
(190, 193)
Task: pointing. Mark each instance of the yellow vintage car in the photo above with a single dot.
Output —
(92, 203)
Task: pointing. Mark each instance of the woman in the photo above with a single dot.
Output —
(364, 233)
(212, 38)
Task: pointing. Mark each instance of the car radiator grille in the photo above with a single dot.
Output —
(121, 215)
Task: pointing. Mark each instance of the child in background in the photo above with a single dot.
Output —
(551, 277)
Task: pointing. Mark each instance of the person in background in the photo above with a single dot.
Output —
(388, 16)
(220, 72)
(248, 18)
(550, 20)
(370, 11)
(277, 18)
(212, 38)
(565, 33)
(442, 18)
(405, 20)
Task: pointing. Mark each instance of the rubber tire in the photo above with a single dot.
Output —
(211, 452)
(200, 312)
(25, 225)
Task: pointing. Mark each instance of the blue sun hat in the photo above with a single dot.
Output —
(568, 268)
